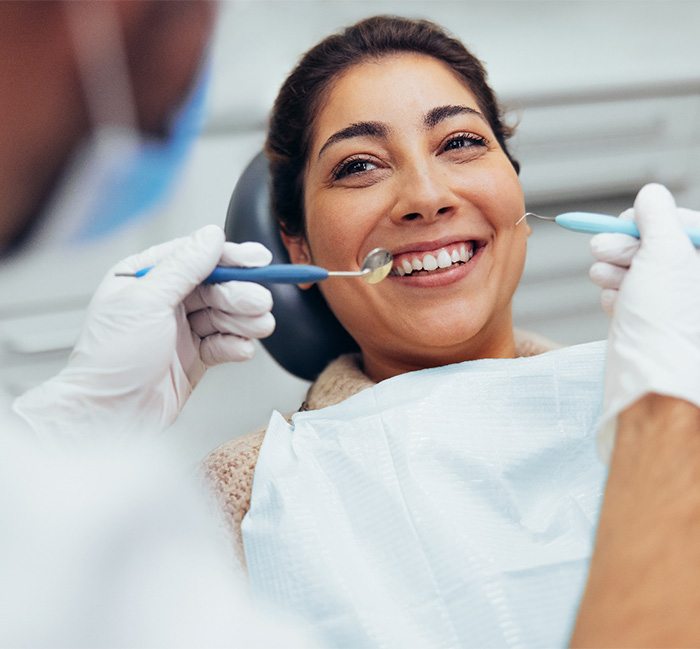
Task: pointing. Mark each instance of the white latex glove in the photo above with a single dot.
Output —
(614, 254)
(652, 288)
(147, 342)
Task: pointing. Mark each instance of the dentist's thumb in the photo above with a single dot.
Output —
(188, 265)
(660, 228)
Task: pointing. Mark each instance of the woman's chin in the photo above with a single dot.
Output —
(445, 337)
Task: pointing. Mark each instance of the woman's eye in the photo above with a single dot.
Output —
(352, 167)
(464, 141)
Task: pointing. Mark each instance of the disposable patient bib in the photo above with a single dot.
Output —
(450, 507)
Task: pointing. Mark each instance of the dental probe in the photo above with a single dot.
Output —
(595, 223)
(375, 268)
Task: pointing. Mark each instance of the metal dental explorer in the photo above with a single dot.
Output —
(594, 223)
(375, 267)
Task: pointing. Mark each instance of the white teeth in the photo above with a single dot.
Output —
(443, 259)
(429, 262)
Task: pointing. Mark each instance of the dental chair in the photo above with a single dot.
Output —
(307, 335)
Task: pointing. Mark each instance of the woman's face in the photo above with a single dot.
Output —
(401, 158)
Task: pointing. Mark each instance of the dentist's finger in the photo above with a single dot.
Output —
(607, 275)
(614, 248)
(243, 298)
(628, 214)
(249, 253)
(211, 321)
(225, 348)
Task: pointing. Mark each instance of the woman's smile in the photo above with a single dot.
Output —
(434, 264)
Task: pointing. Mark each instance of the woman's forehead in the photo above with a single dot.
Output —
(400, 88)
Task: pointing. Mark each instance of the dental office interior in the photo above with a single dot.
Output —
(606, 96)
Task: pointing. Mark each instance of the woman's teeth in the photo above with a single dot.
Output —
(443, 258)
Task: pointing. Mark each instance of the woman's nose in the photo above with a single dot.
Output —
(424, 195)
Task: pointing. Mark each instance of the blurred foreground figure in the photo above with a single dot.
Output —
(115, 546)
(106, 538)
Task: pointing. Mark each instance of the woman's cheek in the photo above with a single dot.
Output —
(326, 227)
(344, 227)
(500, 190)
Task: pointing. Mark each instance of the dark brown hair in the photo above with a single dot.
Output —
(296, 106)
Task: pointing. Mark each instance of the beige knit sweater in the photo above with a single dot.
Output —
(230, 468)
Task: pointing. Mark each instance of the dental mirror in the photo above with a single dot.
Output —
(375, 267)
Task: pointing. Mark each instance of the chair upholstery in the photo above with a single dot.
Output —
(307, 335)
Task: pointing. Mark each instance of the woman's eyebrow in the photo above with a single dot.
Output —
(359, 129)
(436, 115)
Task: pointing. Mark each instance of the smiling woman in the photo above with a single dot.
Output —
(387, 135)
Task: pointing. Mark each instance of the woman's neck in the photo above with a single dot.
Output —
(380, 364)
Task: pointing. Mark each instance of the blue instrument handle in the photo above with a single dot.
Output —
(273, 274)
(595, 223)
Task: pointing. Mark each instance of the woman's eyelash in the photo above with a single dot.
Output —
(460, 140)
(351, 166)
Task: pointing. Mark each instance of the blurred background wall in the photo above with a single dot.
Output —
(607, 95)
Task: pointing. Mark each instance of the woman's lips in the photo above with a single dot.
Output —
(437, 267)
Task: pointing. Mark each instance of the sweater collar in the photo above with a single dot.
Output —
(344, 377)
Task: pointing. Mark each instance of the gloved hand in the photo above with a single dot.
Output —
(147, 342)
(614, 254)
(651, 287)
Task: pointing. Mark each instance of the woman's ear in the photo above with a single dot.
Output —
(298, 251)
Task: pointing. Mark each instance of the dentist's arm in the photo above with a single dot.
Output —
(147, 342)
(644, 582)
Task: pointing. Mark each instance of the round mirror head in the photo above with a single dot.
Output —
(377, 265)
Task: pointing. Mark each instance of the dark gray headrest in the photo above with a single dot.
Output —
(307, 336)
